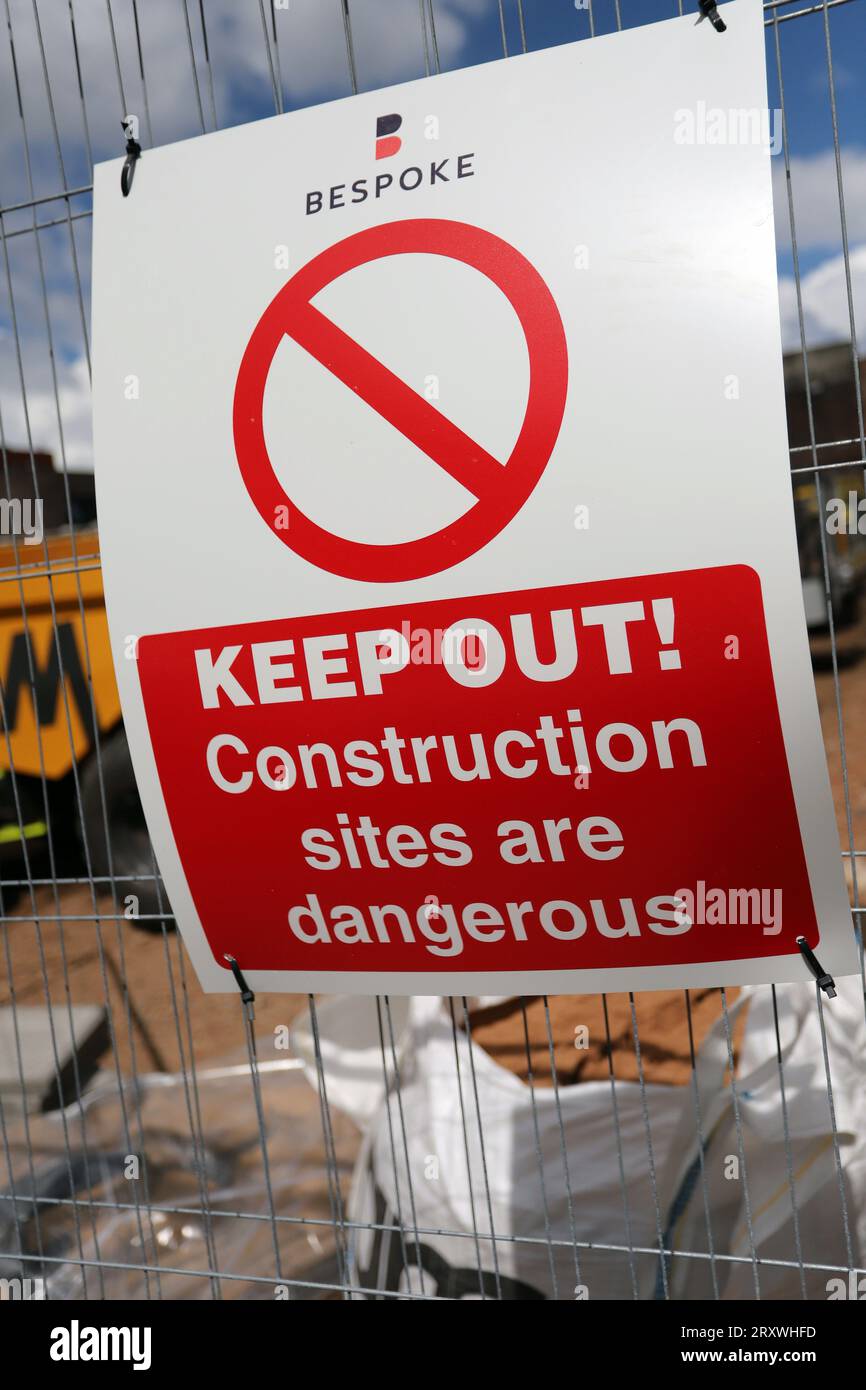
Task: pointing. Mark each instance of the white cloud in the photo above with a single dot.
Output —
(73, 394)
(815, 190)
(387, 39)
(825, 302)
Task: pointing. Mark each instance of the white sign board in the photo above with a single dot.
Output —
(442, 478)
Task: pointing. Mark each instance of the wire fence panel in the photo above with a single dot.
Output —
(158, 1143)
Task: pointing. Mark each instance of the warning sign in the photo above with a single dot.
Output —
(514, 776)
(446, 520)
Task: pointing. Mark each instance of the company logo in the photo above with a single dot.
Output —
(387, 141)
(340, 195)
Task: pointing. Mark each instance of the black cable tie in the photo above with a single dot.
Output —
(133, 153)
(248, 998)
(709, 10)
(825, 981)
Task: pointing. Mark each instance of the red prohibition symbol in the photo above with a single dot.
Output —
(501, 489)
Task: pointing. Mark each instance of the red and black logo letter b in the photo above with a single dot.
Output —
(387, 142)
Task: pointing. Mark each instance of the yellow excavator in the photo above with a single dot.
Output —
(58, 704)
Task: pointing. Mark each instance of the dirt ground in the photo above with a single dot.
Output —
(162, 984)
(844, 726)
(162, 988)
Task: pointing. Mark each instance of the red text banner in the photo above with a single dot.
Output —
(571, 778)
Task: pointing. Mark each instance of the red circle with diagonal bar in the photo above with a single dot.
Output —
(501, 489)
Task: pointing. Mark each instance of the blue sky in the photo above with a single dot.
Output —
(312, 60)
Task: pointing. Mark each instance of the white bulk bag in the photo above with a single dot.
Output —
(427, 1165)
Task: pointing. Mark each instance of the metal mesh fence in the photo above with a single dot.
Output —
(157, 1143)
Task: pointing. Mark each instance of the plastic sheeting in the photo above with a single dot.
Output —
(134, 1229)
